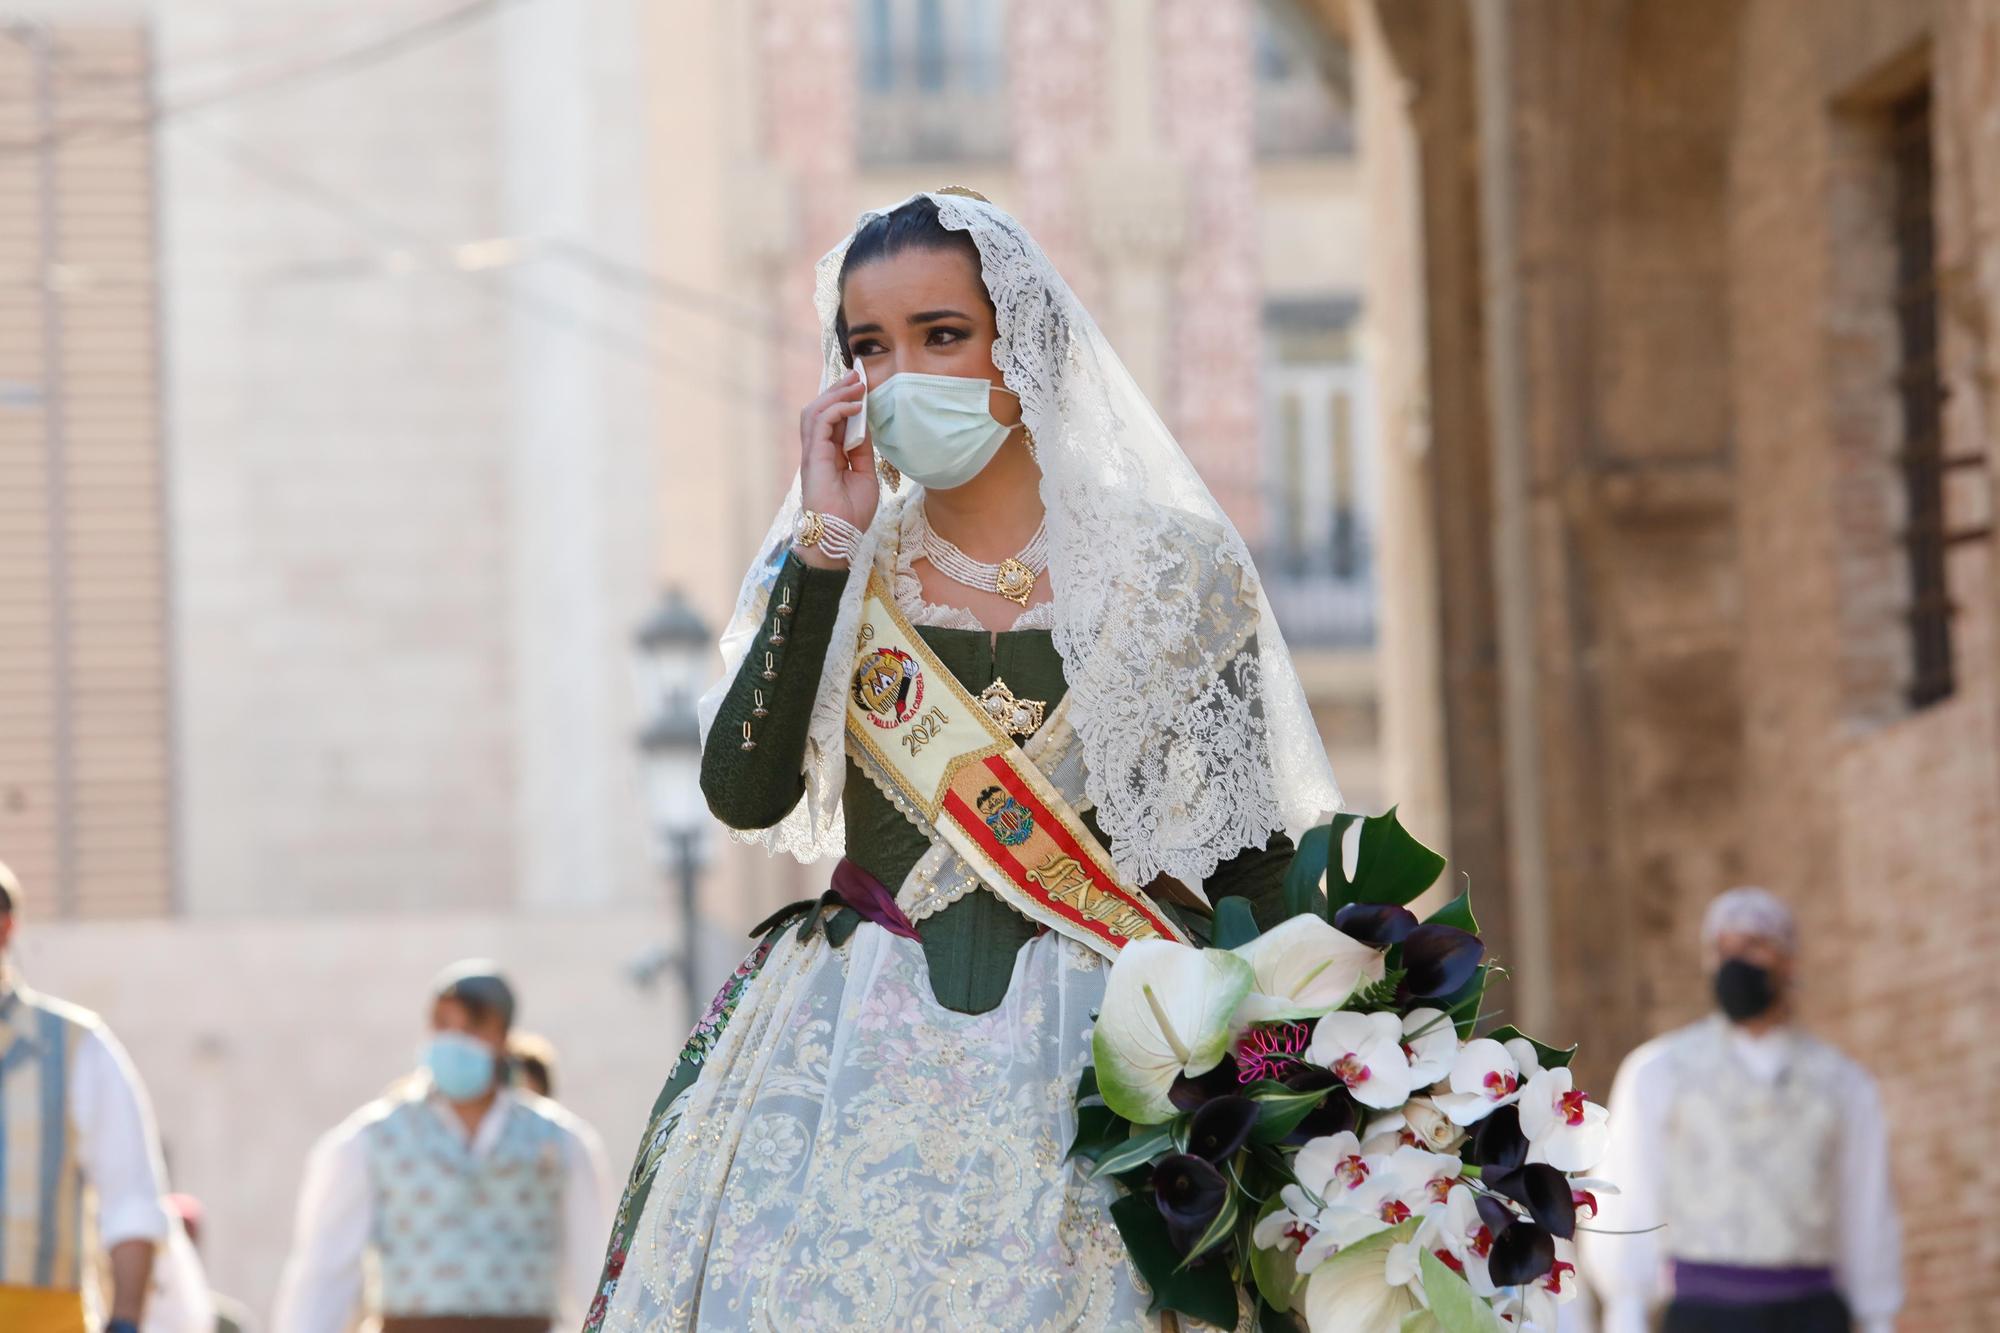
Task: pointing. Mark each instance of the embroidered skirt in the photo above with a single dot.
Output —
(850, 1154)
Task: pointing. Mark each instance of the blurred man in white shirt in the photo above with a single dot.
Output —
(74, 1125)
(483, 1207)
(1752, 1160)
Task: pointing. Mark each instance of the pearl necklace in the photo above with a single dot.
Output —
(1013, 578)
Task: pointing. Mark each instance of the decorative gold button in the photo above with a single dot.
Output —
(770, 671)
(759, 710)
(748, 744)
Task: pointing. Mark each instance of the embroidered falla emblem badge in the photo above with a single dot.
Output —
(1010, 821)
(889, 685)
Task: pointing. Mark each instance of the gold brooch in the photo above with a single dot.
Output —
(1014, 581)
(1017, 717)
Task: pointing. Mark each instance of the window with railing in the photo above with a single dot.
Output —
(933, 84)
(1303, 85)
(1928, 532)
(1316, 553)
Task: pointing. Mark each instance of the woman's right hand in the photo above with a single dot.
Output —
(832, 479)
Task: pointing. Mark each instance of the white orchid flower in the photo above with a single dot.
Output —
(1339, 1196)
(1467, 1240)
(1365, 1051)
(1351, 1292)
(1484, 1077)
(1304, 968)
(1585, 1191)
(1165, 1013)
(1420, 1180)
(1329, 1166)
(1430, 1042)
(1540, 1298)
(1526, 1059)
(1563, 1127)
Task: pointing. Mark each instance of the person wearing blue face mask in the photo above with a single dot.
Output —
(1751, 1159)
(480, 1205)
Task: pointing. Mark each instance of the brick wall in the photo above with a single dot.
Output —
(1721, 651)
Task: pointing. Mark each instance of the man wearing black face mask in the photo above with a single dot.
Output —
(1757, 1155)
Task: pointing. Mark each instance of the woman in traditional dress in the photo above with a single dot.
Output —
(1005, 657)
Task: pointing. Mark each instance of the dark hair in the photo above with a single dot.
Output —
(534, 1061)
(909, 226)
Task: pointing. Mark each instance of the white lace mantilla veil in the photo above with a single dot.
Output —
(1194, 748)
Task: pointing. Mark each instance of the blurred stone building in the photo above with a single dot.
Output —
(1699, 327)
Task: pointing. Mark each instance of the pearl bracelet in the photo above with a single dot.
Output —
(830, 533)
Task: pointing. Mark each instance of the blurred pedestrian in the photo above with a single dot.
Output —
(74, 1126)
(1752, 1159)
(534, 1059)
(482, 1210)
(231, 1315)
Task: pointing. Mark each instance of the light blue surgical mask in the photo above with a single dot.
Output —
(462, 1066)
(936, 429)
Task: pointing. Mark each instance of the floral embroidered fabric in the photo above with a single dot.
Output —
(853, 1155)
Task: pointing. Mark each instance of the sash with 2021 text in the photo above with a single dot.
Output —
(925, 739)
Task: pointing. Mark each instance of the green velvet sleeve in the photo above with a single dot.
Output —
(756, 786)
(1257, 875)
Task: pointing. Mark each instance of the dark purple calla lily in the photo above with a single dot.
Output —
(1521, 1253)
(1336, 1115)
(1191, 1094)
(1189, 1193)
(1544, 1192)
(1494, 1213)
(1379, 924)
(1439, 960)
(1498, 1145)
(1222, 1127)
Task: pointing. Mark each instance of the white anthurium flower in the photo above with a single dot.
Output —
(1350, 850)
(1165, 1013)
(1430, 1042)
(1351, 1293)
(1563, 1127)
(1484, 1078)
(1304, 968)
(1365, 1051)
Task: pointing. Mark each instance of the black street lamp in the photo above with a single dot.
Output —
(673, 646)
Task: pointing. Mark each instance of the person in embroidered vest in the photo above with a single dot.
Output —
(478, 1206)
(76, 1137)
(1752, 1161)
(1006, 665)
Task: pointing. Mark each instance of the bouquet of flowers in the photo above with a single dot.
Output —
(1305, 1118)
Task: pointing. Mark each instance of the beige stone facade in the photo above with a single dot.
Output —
(1676, 495)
